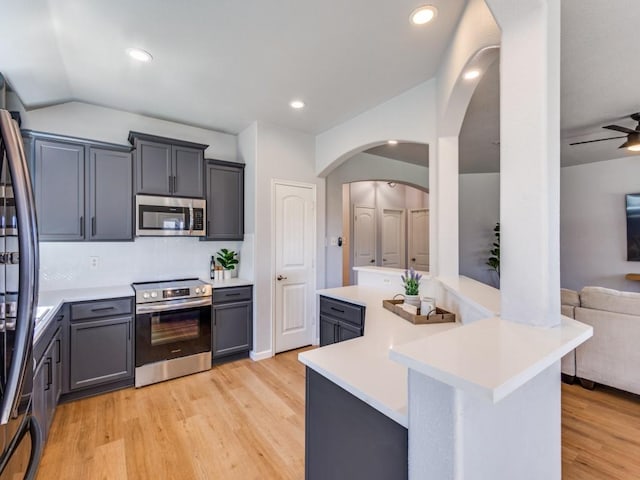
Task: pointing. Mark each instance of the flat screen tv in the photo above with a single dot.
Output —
(633, 227)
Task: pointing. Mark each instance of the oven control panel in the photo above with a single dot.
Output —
(168, 294)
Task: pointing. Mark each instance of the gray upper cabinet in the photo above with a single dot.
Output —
(110, 195)
(83, 188)
(167, 166)
(187, 172)
(153, 168)
(59, 173)
(224, 183)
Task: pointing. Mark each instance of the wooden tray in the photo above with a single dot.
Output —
(440, 315)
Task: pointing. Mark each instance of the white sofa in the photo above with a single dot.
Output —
(612, 356)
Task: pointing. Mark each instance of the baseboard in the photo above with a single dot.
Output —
(263, 355)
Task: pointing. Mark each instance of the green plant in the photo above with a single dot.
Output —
(227, 259)
(494, 254)
(411, 282)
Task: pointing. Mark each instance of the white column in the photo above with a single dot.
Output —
(529, 160)
(444, 181)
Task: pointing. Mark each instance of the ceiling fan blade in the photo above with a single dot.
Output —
(599, 140)
(618, 128)
(635, 116)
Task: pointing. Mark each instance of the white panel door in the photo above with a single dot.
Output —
(393, 238)
(364, 236)
(419, 239)
(294, 283)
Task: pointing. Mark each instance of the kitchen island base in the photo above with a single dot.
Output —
(348, 439)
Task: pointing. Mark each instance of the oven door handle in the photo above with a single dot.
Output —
(173, 305)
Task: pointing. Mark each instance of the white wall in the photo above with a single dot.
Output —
(479, 212)
(282, 154)
(83, 120)
(408, 117)
(66, 264)
(361, 166)
(593, 242)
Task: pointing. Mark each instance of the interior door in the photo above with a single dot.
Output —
(294, 228)
(364, 236)
(393, 238)
(419, 239)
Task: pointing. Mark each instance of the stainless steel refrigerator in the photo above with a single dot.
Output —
(20, 438)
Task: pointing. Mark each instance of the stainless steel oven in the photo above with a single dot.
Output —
(173, 329)
(170, 216)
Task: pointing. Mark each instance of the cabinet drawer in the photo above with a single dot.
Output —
(231, 294)
(96, 309)
(341, 310)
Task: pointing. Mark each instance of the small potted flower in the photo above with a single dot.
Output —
(227, 259)
(411, 283)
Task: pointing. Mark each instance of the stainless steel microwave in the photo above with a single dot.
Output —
(170, 216)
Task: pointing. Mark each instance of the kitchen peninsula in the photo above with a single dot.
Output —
(358, 398)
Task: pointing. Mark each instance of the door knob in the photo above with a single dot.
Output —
(413, 259)
(372, 261)
(280, 277)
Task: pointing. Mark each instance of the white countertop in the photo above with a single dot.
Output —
(54, 299)
(231, 282)
(491, 357)
(362, 365)
(478, 294)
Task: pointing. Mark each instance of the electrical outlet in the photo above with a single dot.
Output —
(94, 262)
(333, 241)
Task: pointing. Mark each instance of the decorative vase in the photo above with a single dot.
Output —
(227, 274)
(412, 300)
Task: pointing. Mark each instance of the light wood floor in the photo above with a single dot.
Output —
(245, 420)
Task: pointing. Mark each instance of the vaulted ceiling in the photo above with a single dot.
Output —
(223, 64)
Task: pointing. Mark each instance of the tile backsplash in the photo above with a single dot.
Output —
(72, 265)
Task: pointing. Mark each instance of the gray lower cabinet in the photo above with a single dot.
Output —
(100, 343)
(232, 312)
(83, 188)
(224, 185)
(167, 166)
(47, 379)
(340, 321)
(345, 438)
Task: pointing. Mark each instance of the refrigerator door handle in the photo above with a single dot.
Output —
(28, 267)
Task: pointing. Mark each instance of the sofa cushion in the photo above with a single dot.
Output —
(569, 297)
(568, 311)
(600, 298)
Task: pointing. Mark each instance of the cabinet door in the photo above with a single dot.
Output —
(51, 398)
(60, 190)
(327, 331)
(153, 168)
(232, 328)
(225, 201)
(187, 172)
(57, 366)
(110, 195)
(100, 352)
(347, 332)
(39, 397)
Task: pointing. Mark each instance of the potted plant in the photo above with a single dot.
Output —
(411, 284)
(494, 254)
(227, 259)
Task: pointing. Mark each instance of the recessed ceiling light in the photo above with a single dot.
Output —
(297, 104)
(392, 142)
(471, 74)
(139, 54)
(423, 14)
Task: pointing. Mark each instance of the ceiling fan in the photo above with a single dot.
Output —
(633, 136)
